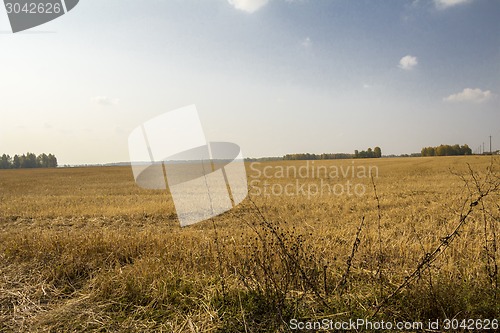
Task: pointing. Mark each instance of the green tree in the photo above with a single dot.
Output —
(42, 161)
(447, 150)
(5, 162)
(441, 150)
(52, 161)
(466, 150)
(30, 161)
(22, 161)
(377, 152)
(16, 162)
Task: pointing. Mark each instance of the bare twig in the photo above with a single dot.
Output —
(379, 232)
(445, 242)
(355, 245)
(291, 258)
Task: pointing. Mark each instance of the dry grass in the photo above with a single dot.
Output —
(87, 250)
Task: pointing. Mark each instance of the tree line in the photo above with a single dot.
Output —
(447, 150)
(28, 161)
(370, 153)
(308, 156)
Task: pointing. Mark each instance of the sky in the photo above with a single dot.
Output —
(273, 76)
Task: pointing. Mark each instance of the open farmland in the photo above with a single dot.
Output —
(85, 249)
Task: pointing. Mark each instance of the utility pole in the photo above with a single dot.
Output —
(491, 151)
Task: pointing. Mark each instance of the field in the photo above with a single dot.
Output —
(402, 239)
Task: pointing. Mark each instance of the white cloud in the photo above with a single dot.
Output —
(408, 62)
(104, 100)
(470, 95)
(248, 6)
(443, 4)
(306, 43)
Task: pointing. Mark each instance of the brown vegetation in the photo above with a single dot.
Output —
(85, 249)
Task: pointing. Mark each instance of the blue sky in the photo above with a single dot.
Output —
(274, 76)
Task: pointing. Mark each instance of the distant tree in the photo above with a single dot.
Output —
(28, 160)
(309, 156)
(5, 162)
(441, 150)
(22, 161)
(428, 151)
(52, 161)
(466, 150)
(446, 150)
(369, 153)
(41, 160)
(16, 162)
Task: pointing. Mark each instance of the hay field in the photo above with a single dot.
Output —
(86, 250)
